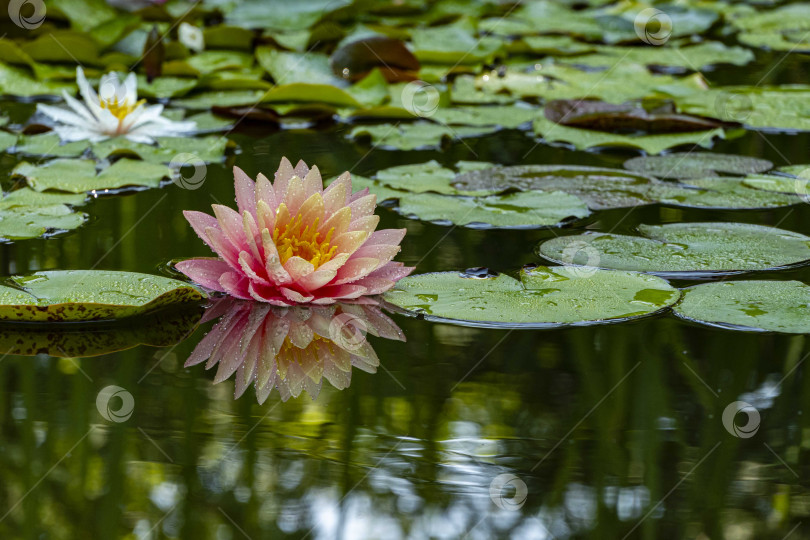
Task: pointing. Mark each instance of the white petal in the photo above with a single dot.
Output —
(77, 106)
(64, 116)
(87, 92)
(131, 84)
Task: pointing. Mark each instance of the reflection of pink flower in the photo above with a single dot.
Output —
(293, 241)
(291, 348)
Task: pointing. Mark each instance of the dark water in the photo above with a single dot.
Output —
(615, 431)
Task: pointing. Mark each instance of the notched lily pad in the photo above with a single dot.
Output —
(684, 250)
(764, 306)
(543, 298)
(696, 165)
(89, 295)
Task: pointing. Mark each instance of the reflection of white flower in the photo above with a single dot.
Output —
(191, 36)
(116, 111)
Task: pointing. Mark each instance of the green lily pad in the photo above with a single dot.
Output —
(782, 29)
(79, 175)
(544, 297)
(525, 210)
(49, 144)
(210, 61)
(758, 107)
(28, 197)
(652, 144)
(506, 116)
(208, 149)
(720, 193)
(16, 81)
(601, 188)
(89, 295)
(34, 221)
(282, 15)
(560, 81)
(220, 98)
(684, 250)
(766, 306)
(7, 140)
(419, 178)
(696, 165)
(693, 57)
(410, 136)
(453, 45)
(789, 185)
(165, 87)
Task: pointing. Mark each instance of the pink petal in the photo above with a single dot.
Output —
(295, 296)
(245, 192)
(199, 222)
(235, 285)
(354, 269)
(206, 272)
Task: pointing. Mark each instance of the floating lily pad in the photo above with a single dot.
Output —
(415, 135)
(29, 197)
(33, 221)
(693, 57)
(506, 116)
(632, 117)
(601, 188)
(453, 45)
(544, 297)
(789, 185)
(49, 144)
(696, 165)
(89, 295)
(653, 144)
(684, 250)
(16, 81)
(560, 81)
(720, 193)
(781, 108)
(782, 29)
(767, 306)
(525, 210)
(79, 175)
(207, 149)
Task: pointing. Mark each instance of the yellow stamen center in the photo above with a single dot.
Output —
(293, 240)
(119, 109)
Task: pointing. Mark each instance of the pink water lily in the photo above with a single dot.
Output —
(294, 242)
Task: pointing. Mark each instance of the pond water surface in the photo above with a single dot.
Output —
(602, 432)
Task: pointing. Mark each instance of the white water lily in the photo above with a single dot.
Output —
(116, 111)
(191, 36)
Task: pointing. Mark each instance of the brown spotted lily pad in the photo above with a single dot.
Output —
(89, 295)
(647, 117)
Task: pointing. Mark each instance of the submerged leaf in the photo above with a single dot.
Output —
(544, 297)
